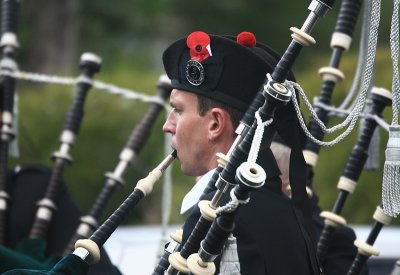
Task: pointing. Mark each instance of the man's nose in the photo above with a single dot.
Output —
(168, 126)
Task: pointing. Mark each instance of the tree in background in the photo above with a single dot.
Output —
(49, 35)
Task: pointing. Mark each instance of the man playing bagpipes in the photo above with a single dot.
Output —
(215, 79)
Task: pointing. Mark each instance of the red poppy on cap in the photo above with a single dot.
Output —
(199, 45)
(246, 39)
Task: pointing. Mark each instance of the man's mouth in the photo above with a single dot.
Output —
(173, 148)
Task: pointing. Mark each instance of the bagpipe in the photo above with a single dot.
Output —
(9, 44)
(90, 65)
(237, 173)
(211, 232)
(134, 145)
(340, 43)
(379, 98)
(31, 258)
(87, 251)
(353, 168)
(47, 235)
(209, 245)
(250, 176)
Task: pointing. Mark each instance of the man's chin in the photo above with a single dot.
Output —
(186, 171)
(190, 172)
(183, 169)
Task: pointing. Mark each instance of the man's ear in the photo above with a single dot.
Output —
(219, 124)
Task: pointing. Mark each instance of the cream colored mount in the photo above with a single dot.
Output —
(346, 184)
(280, 88)
(7, 118)
(341, 40)
(91, 57)
(302, 37)
(251, 174)
(7, 133)
(91, 248)
(198, 267)
(177, 235)
(88, 224)
(4, 197)
(331, 74)
(332, 219)
(382, 92)
(381, 217)
(146, 184)
(207, 211)
(67, 139)
(310, 157)
(367, 249)
(178, 262)
(9, 39)
(222, 159)
(46, 209)
(126, 156)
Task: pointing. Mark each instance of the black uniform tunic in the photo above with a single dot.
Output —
(270, 232)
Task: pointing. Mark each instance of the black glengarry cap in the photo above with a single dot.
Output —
(228, 70)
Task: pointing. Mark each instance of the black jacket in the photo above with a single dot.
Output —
(270, 232)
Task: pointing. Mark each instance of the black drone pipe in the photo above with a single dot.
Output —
(340, 42)
(380, 99)
(8, 64)
(89, 64)
(366, 249)
(89, 249)
(134, 145)
(173, 246)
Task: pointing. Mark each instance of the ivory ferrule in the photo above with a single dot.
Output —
(3, 204)
(81, 253)
(114, 179)
(127, 155)
(87, 250)
(6, 118)
(172, 247)
(381, 217)
(121, 168)
(9, 39)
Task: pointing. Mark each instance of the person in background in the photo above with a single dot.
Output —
(342, 251)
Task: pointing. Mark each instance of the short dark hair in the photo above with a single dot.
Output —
(205, 104)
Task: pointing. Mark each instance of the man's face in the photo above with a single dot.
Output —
(189, 133)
